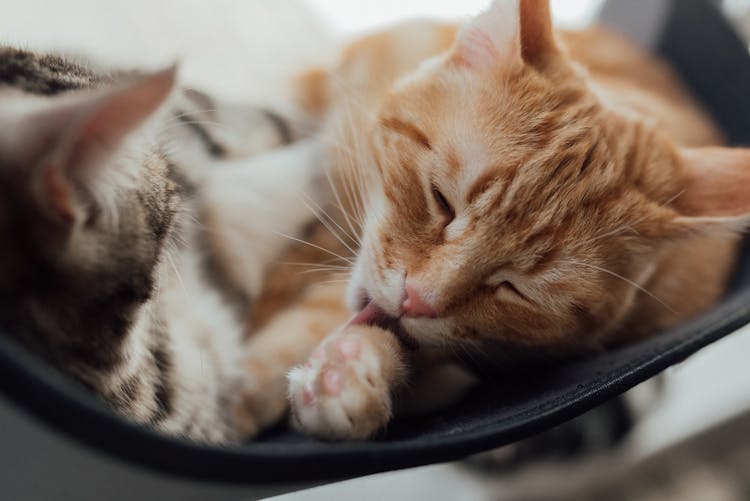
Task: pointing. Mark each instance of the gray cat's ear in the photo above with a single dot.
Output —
(79, 135)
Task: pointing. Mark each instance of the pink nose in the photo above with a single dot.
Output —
(415, 306)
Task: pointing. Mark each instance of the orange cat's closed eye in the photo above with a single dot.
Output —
(445, 207)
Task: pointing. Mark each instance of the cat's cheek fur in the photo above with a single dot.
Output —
(431, 332)
(360, 281)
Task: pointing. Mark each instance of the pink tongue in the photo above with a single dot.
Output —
(367, 316)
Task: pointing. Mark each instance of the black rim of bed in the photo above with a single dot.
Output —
(714, 63)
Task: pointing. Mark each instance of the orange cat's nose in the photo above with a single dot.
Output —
(415, 306)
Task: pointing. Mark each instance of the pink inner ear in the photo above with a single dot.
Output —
(56, 192)
(476, 51)
(490, 39)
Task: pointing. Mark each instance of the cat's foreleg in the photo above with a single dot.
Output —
(285, 341)
(361, 376)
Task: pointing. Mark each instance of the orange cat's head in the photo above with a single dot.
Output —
(514, 204)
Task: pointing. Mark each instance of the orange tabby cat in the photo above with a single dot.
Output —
(524, 194)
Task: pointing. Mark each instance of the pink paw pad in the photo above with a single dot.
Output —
(332, 382)
(349, 348)
(308, 397)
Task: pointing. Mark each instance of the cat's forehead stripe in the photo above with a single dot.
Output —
(483, 183)
(408, 130)
(473, 158)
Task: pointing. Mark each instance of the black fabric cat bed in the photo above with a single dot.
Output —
(60, 442)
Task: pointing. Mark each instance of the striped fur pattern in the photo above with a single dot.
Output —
(112, 269)
(522, 196)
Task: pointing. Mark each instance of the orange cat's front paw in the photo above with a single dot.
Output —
(341, 392)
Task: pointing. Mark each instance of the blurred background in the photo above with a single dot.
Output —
(692, 444)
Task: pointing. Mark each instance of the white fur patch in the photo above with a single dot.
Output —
(262, 202)
(456, 228)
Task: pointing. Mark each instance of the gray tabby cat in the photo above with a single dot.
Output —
(111, 265)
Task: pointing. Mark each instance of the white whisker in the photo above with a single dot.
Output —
(624, 279)
(328, 251)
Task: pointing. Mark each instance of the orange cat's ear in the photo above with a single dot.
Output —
(716, 188)
(508, 33)
(537, 35)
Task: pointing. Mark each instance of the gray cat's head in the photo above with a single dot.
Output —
(86, 200)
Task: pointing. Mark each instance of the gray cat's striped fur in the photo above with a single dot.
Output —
(110, 280)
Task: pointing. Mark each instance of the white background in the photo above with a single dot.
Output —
(353, 16)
